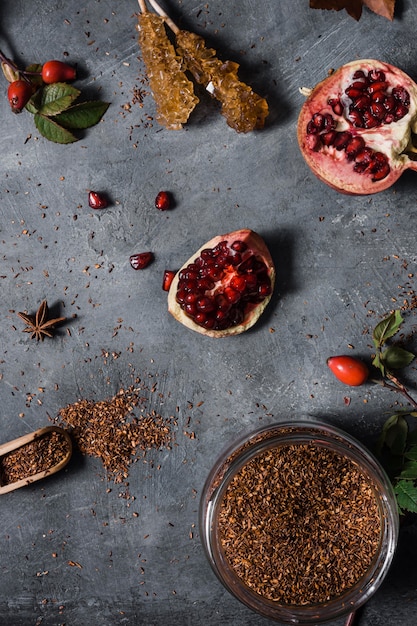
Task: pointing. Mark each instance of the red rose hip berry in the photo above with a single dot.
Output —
(19, 93)
(163, 201)
(57, 72)
(348, 370)
(97, 200)
(141, 260)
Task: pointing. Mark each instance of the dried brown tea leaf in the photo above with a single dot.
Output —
(385, 8)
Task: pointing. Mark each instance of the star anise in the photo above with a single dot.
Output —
(39, 326)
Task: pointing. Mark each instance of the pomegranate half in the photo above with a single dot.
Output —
(225, 286)
(355, 130)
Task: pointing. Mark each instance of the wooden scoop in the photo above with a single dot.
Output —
(20, 442)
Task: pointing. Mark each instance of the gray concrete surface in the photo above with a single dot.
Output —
(342, 262)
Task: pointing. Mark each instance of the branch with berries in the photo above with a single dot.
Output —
(45, 92)
(397, 444)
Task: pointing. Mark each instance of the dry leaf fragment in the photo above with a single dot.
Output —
(381, 7)
(385, 8)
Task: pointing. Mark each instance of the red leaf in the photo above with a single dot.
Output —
(385, 8)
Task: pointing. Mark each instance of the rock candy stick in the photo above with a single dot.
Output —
(243, 109)
(173, 92)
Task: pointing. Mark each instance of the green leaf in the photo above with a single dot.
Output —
(82, 115)
(57, 97)
(411, 453)
(409, 471)
(396, 358)
(387, 328)
(406, 493)
(379, 364)
(53, 131)
(394, 434)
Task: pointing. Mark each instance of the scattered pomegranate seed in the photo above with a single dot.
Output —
(97, 200)
(163, 201)
(141, 260)
(167, 279)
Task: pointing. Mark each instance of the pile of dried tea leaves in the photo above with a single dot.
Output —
(34, 457)
(108, 429)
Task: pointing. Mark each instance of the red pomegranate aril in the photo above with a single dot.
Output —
(361, 103)
(264, 289)
(341, 140)
(232, 295)
(251, 281)
(312, 129)
(314, 141)
(401, 94)
(318, 120)
(238, 283)
(167, 279)
(239, 246)
(336, 105)
(97, 200)
(356, 119)
(181, 295)
(354, 146)
(353, 93)
(376, 75)
(379, 96)
(328, 138)
(359, 74)
(205, 304)
(382, 172)
(377, 86)
(141, 260)
(377, 110)
(400, 112)
(369, 121)
(190, 308)
(163, 201)
(190, 298)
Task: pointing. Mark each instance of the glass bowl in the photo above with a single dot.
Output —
(299, 522)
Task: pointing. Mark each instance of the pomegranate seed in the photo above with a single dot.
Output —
(382, 172)
(239, 246)
(354, 146)
(400, 93)
(377, 110)
(232, 295)
(336, 105)
(389, 103)
(163, 201)
(328, 138)
(313, 141)
(205, 304)
(341, 140)
(400, 112)
(361, 103)
(312, 129)
(369, 120)
(97, 200)
(141, 260)
(356, 118)
(359, 74)
(377, 86)
(238, 283)
(167, 279)
(378, 96)
(353, 93)
(376, 75)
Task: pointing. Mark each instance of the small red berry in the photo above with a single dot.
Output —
(97, 200)
(141, 260)
(57, 72)
(167, 279)
(18, 94)
(348, 370)
(163, 201)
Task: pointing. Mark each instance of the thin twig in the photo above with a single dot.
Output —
(396, 386)
(142, 6)
(166, 17)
